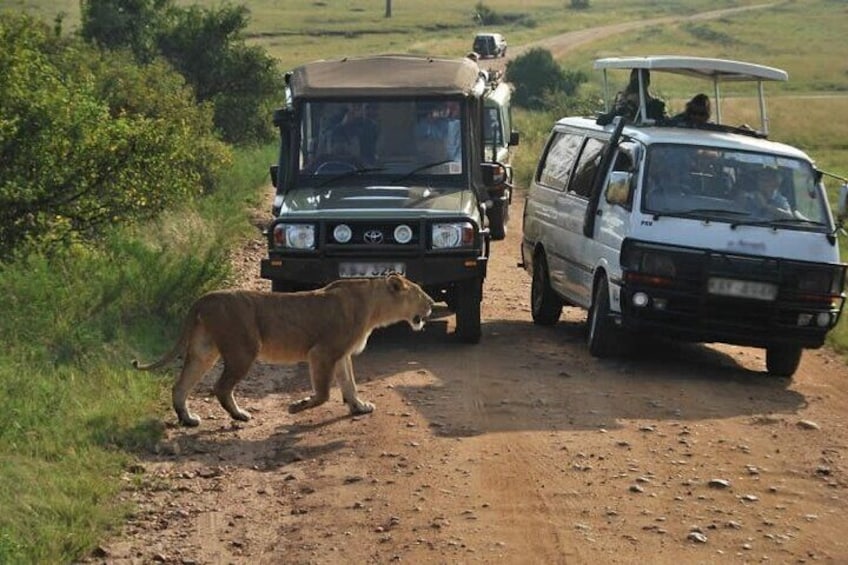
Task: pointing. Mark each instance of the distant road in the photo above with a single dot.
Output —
(560, 45)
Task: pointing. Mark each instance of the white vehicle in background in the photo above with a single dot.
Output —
(648, 227)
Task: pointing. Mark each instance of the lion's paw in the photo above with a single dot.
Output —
(361, 407)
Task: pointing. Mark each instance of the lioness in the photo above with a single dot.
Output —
(324, 326)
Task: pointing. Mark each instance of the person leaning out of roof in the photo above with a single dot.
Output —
(626, 102)
(696, 113)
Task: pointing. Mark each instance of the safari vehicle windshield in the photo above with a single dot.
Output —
(738, 187)
(399, 138)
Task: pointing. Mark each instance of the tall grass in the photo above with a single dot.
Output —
(72, 412)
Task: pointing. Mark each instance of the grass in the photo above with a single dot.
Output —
(73, 416)
(296, 31)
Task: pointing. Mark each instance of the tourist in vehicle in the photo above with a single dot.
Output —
(696, 113)
(438, 132)
(666, 182)
(767, 199)
(453, 132)
(627, 101)
(358, 129)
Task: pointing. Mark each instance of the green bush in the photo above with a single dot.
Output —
(537, 77)
(206, 46)
(90, 141)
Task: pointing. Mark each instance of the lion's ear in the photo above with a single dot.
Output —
(396, 282)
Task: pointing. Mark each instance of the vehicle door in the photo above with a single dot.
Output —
(555, 214)
(580, 252)
(612, 219)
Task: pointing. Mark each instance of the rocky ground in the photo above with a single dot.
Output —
(522, 449)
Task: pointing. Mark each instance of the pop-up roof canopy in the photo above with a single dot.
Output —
(716, 70)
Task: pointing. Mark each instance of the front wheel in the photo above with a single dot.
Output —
(602, 331)
(498, 218)
(783, 360)
(545, 305)
(469, 295)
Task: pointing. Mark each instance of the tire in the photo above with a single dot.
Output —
(545, 305)
(469, 295)
(603, 335)
(783, 360)
(498, 216)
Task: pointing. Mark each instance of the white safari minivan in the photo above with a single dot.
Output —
(702, 233)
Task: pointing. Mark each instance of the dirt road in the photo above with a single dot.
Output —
(522, 449)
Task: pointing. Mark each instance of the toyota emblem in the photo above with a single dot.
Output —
(373, 236)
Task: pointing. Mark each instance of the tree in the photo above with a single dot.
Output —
(88, 139)
(123, 24)
(538, 77)
(206, 46)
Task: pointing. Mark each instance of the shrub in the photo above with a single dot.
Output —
(90, 141)
(537, 76)
(207, 47)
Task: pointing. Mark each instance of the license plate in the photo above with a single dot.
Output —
(742, 289)
(356, 270)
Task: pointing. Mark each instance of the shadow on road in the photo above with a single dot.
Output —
(524, 377)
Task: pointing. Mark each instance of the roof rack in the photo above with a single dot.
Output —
(716, 70)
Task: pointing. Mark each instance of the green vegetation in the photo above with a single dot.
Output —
(205, 45)
(98, 290)
(73, 414)
(537, 77)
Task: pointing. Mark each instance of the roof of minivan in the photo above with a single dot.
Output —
(385, 75)
(722, 70)
(652, 135)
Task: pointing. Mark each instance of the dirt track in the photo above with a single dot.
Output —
(522, 449)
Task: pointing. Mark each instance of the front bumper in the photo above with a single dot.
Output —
(684, 307)
(434, 272)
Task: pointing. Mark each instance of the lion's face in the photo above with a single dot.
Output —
(415, 304)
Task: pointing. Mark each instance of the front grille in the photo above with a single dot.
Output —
(688, 307)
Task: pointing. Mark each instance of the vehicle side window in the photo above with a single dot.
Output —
(559, 160)
(587, 167)
(492, 126)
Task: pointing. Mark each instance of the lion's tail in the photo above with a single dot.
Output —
(178, 348)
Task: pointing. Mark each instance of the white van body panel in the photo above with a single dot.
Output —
(555, 216)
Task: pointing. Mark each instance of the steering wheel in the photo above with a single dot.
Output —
(335, 164)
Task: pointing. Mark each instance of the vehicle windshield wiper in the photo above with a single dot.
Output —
(775, 222)
(698, 212)
(421, 168)
(350, 173)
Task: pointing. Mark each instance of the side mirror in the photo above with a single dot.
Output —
(618, 188)
(283, 118)
(513, 138)
(494, 174)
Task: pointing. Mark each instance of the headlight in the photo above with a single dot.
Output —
(403, 234)
(658, 264)
(821, 282)
(447, 236)
(342, 233)
(294, 236)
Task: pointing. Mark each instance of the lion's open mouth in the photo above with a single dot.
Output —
(417, 322)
